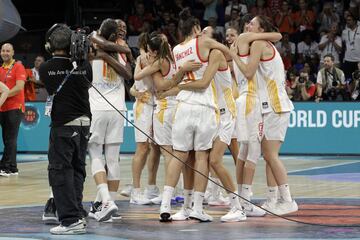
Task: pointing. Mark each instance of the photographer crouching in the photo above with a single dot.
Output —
(300, 88)
(330, 82)
(69, 108)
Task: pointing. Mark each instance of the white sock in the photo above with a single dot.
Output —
(285, 192)
(239, 189)
(188, 198)
(167, 195)
(246, 191)
(234, 201)
(136, 191)
(151, 187)
(113, 196)
(215, 188)
(104, 192)
(51, 195)
(272, 194)
(198, 201)
(98, 196)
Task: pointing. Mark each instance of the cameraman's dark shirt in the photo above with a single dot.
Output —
(72, 101)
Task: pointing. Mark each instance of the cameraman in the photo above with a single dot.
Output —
(355, 84)
(330, 81)
(300, 88)
(69, 133)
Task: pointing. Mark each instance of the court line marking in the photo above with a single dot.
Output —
(315, 168)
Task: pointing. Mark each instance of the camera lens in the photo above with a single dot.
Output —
(334, 83)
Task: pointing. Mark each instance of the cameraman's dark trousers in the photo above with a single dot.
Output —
(67, 153)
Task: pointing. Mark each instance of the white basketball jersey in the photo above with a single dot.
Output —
(272, 91)
(110, 84)
(171, 100)
(186, 52)
(248, 89)
(145, 84)
(223, 84)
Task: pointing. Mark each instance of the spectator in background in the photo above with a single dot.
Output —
(41, 93)
(210, 10)
(136, 21)
(261, 9)
(308, 46)
(212, 22)
(286, 50)
(29, 87)
(171, 33)
(300, 88)
(235, 4)
(13, 75)
(274, 5)
(331, 43)
(234, 20)
(338, 6)
(330, 81)
(304, 18)
(354, 86)
(327, 18)
(284, 18)
(351, 37)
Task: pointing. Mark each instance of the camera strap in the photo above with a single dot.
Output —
(50, 98)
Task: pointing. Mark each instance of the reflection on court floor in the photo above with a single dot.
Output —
(327, 190)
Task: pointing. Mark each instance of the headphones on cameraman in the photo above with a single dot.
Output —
(54, 27)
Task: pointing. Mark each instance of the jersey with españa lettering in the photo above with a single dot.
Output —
(272, 90)
(110, 84)
(247, 88)
(223, 84)
(184, 52)
(171, 100)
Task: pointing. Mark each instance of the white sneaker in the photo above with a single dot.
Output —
(219, 200)
(269, 205)
(4, 173)
(126, 192)
(284, 207)
(252, 210)
(107, 210)
(138, 198)
(182, 215)
(116, 216)
(95, 207)
(75, 228)
(156, 200)
(165, 215)
(201, 216)
(234, 215)
(151, 193)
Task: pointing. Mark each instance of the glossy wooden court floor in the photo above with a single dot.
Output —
(327, 190)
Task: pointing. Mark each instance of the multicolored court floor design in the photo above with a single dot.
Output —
(327, 190)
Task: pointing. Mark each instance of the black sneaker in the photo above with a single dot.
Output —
(14, 173)
(49, 215)
(95, 207)
(5, 173)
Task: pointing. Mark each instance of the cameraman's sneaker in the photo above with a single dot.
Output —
(285, 207)
(165, 215)
(73, 229)
(95, 207)
(126, 192)
(182, 215)
(138, 198)
(252, 210)
(49, 214)
(116, 216)
(107, 210)
(201, 216)
(218, 200)
(5, 173)
(234, 215)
